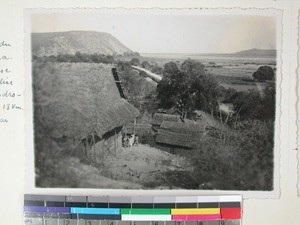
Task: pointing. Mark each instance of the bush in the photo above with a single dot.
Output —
(255, 105)
(136, 87)
(146, 65)
(124, 66)
(135, 62)
(157, 70)
(244, 162)
(81, 57)
(143, 74)
(264, 73)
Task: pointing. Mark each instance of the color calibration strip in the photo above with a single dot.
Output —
(163, 210)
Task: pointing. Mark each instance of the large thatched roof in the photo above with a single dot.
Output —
(180, 134)
(76, 99)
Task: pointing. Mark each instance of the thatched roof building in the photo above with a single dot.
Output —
(138, 128)
(158, 118)
(180, 134)
(77, 99)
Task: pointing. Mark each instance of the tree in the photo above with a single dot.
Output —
(269, 102)
(187, 88)
(255, 105)
(81, 57)
(124, 66)
(135, 62)
(156, 69)
(264, 73)
(247, 104)
(146, 65)
(143, 74)
(170, 69)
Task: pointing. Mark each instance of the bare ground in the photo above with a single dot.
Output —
(147, 166)
(138, 167)
(71, 173)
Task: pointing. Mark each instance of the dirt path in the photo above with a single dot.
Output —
(138, 167)
(153, 76)
(145, 165)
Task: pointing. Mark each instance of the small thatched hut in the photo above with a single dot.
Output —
(158, 118)
(138, 129)
(177, 137)
(145, 132)
(79, 106)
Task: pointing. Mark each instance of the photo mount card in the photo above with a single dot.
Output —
(172, 101)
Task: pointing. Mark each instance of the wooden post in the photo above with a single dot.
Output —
(116, 141)
(94, 149)
(134, 126)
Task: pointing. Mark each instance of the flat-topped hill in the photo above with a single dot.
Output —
(90, 42)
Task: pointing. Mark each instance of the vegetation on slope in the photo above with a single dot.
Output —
(89, 42)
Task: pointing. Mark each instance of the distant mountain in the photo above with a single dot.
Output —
(46, 44)
(257, 52)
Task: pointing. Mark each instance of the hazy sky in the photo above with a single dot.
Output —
(170, 33)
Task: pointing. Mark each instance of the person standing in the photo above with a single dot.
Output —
(136, 140)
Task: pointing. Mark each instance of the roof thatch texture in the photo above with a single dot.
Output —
(180, 134)
(76, 99)
(158, 118)
(186, 128)
(139, 128)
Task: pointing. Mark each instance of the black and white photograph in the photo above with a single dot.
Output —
(154, 99)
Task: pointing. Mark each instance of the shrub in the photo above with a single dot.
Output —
(264, 73)
(80, 57)
(143, 74)
(157, 70)
(244, 162)
(146, 65)
(255, 105)
(135, 62)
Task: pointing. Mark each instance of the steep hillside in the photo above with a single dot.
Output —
(257, 52)
(46, 44)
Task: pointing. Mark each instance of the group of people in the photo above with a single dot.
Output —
(130, 140)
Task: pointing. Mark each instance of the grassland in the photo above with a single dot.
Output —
(230, 72)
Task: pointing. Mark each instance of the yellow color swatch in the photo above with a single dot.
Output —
(195, 211)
